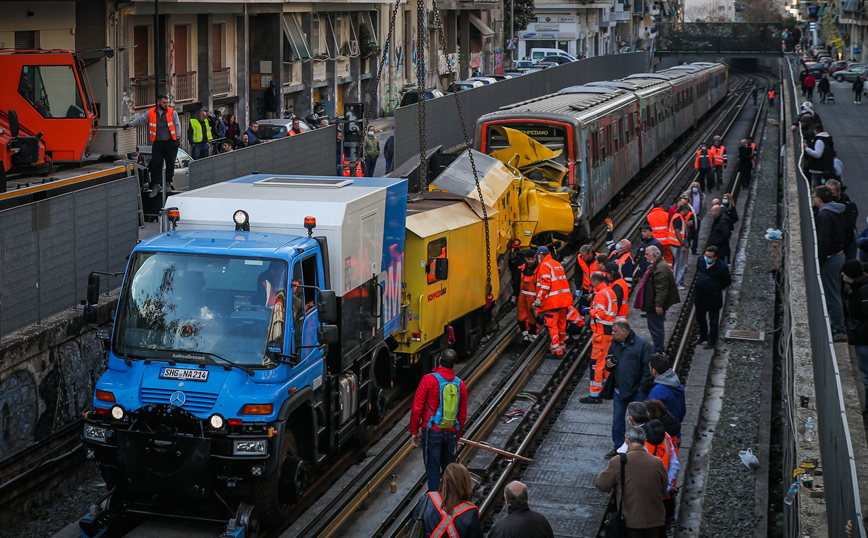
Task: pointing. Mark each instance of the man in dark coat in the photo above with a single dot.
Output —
(721, 230)
(857, 326)
(831, 240)
(389, 153)
(628, 363)
(271, 101)
(712, 277)
(642, 264)
(745, 162)
(522, 522)
(660, 293)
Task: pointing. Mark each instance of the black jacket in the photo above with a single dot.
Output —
(632, 375)
(732, 214)
(271, 99)
(710, 283)
(857, 307)
(721, 230)
(830, 226)
(744, 162)
(522, 522)
(389, 149)
(823, 85)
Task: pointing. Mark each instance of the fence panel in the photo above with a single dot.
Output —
(296, 155)
(48, 248)
(443, 123)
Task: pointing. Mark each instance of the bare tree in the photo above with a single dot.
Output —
(762, 11)
(704, 13)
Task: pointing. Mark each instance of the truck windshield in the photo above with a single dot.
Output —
(174, 303)
(52, 90)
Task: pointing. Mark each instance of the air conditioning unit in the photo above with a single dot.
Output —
(354, 47)
(654, 10)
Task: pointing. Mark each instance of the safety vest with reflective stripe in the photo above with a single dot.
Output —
(527, 285)
(152, 123)
(447, 521)
(771, 94)
(664, 451)
(752, 151)
(553, 288)
(624, 304)
(717, 153)
(677, 237)
(658, 219)
(621, 258)
(347, 170)
(586, 271)
(197, 131)
(603, 310)
(573, 316)
(704, 159)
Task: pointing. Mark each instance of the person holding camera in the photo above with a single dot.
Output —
(163, 134)
(629, 372)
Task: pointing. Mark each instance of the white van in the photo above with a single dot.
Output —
(537, 55)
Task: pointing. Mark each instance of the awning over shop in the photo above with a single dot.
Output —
(297, 39)
(476, 21)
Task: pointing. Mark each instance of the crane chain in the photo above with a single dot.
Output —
(360, 150)
(489, 295)
(421, 38)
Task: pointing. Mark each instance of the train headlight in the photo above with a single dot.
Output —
(95, 433)
(216, 421)
(250, 448)
(117, 412)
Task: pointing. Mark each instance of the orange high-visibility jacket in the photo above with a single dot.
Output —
(677, 237)
(152, 123)
(624, 302)
(586, 271)
(707, 155)
(658, 219)
(604, 309)
(553, 288)
(717, 153)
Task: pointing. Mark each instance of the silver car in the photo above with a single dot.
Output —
(850, 74)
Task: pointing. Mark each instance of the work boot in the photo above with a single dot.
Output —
(524, 336)
(611, 454)
(156, 191)
(590, 400)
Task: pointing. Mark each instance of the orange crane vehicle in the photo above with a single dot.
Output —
(47, 111)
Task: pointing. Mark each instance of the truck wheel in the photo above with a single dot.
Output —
(247, 516)
(274, 495)
(378, 406)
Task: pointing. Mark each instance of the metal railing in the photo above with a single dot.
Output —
(221, 81)
(292, 73)
(184, 86)
(143, 90)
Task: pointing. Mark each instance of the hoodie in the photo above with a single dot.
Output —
(669, 390)
(831, 235)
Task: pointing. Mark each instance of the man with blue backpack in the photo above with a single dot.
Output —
(438, 416)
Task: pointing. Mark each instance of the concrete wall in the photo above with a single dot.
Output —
(55, 22)
(443, 123)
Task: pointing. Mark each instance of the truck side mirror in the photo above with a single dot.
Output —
(327, 334)
(441, 268)
(93, 289)
(90, 313)
(328, 307)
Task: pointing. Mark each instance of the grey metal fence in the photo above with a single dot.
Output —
(300, 155)
(48, 248)
(443, 123)
(836, 448)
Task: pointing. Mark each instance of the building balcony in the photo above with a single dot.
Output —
(221, 81)
(291, 73)
(184, 86)
(143, 90)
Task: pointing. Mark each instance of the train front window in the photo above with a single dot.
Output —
(553, 137)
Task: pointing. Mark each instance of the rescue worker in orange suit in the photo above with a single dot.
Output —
(619, 254)
(705, 165)
(575, 323)
(618, 284)
(603, 311)
(718, 152)
(527, 295)
(553, 298)
(582, 274)
(164, 129)
(658, 220)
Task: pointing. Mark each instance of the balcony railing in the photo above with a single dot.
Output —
(143, 91)
(319, 70)
(184, 86)
(221, 81)
(292, 73)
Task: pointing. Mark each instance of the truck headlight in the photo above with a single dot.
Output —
(117, 412)
(245, 448)
(95, 433)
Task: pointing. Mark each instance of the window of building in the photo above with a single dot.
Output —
(179, 50)
(141, 54)
(26, 40)
(217, 62)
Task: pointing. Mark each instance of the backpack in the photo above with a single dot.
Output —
(446, 416)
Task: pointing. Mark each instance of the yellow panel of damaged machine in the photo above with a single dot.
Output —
(443, 226)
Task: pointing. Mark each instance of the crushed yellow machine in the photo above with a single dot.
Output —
(445, 270)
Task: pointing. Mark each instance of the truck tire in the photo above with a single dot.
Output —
(274, 495)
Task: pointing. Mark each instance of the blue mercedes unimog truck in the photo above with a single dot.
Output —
(249, 343)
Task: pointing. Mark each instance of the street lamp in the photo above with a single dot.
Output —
(512, 31)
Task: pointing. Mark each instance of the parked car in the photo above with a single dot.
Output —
(838, 66)
(461, 85)
(547, 63)
(523, 64)
(181, 179)
(850, 74)
(278, 128)
(486, 80)
(538, 54)
(560, 59)
(506, 75)
(815, 69)
(411, 97)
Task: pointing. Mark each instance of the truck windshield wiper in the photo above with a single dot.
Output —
(177, 354)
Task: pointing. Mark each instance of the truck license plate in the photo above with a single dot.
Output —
(184, 374)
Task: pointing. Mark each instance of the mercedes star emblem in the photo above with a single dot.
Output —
(177, 398)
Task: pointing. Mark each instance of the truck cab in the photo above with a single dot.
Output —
(245, 350)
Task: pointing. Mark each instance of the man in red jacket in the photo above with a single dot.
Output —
(438, 442)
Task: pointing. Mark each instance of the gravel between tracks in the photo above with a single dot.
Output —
(731, 488)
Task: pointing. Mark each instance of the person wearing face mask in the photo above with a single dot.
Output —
(696, 199)
(727, 205)
(704, 164)
(854, 276)
(619, 254)
(712, 277)
(372, 152)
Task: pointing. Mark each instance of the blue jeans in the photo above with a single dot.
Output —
(708, 328)
(388, 166)
(830, 274)
(619, 416)
(705, 178)
(679, 263)
(438, 451)
(817, 178)
(862, 361)
(695, 243)
(370, 165)
(655, 327)
(200, 150)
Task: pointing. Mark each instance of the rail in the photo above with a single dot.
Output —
(143, 91)
(184, 86)
(221, 81)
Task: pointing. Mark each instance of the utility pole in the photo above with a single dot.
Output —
(512, 30)
(156, 49)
